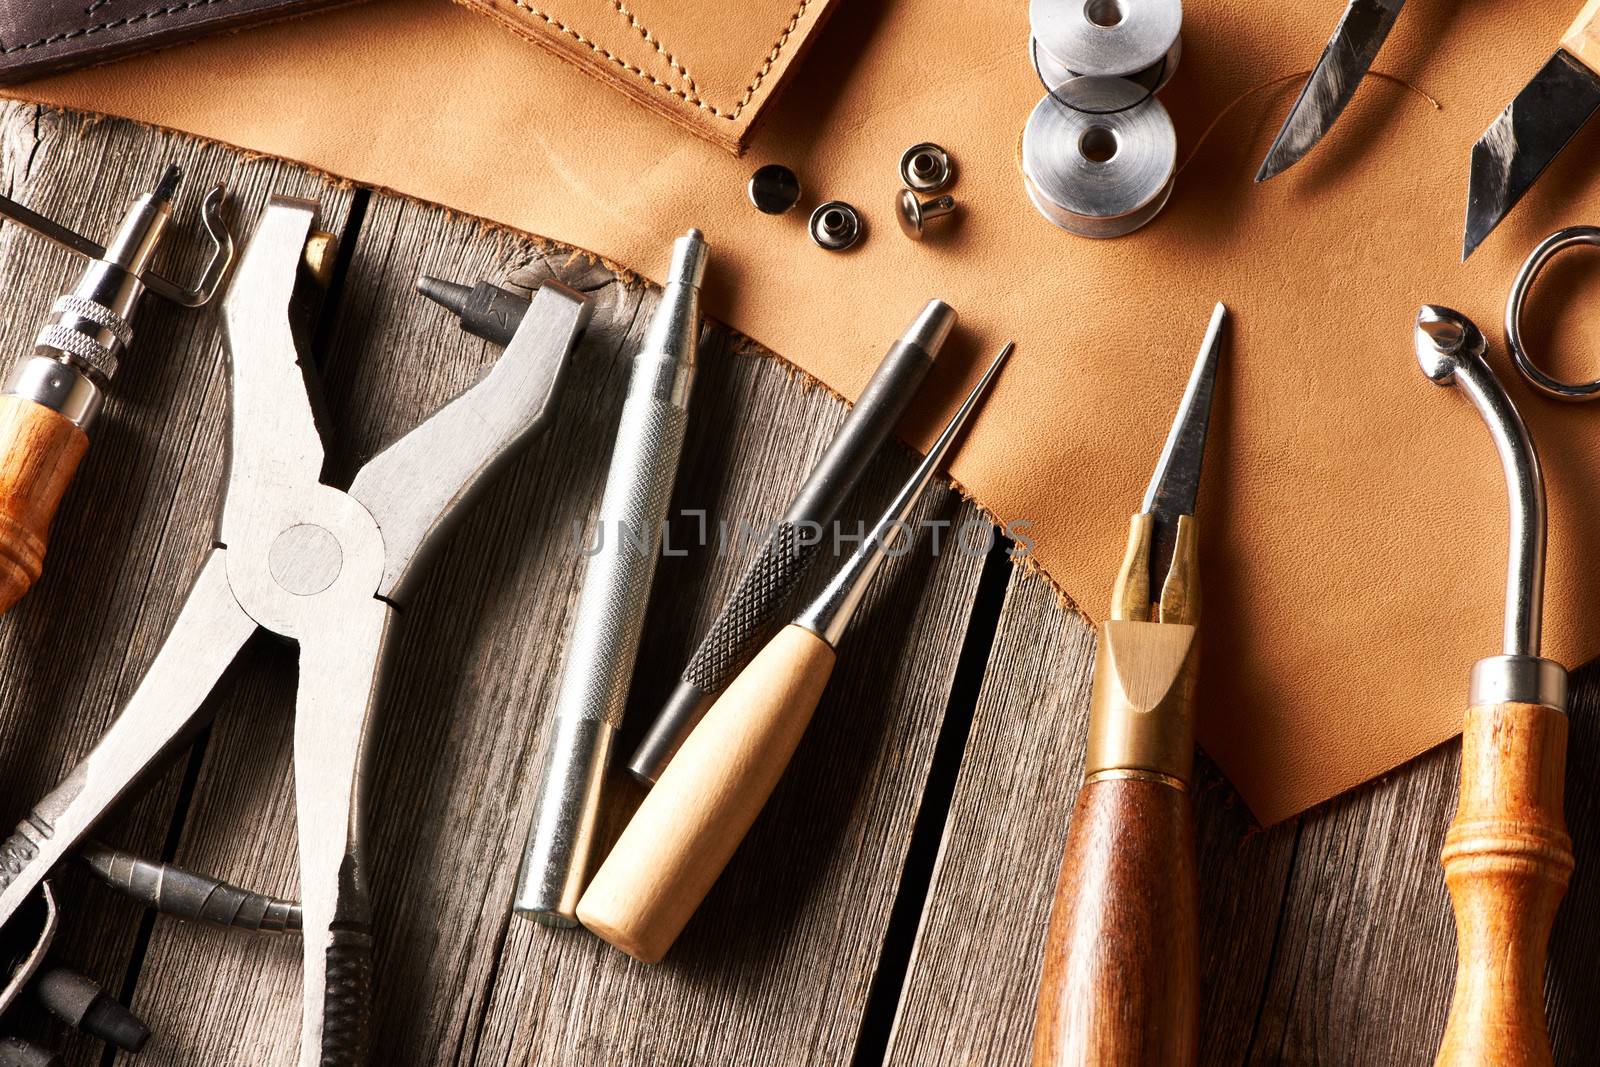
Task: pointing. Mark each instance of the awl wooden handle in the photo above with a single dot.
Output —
(39, 454)
(1507, 858)
(1120, 985)
(1582, 38)
(689, 825)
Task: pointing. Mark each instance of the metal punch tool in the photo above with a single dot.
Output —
(324, 568)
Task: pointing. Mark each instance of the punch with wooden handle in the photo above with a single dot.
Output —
(1120, 983)
(689, 825)
(1507, 856)
(53, 396)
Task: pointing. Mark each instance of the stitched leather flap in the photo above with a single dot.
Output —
(710, 66)
(43, 36)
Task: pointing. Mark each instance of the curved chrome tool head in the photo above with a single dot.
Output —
(1450, 349)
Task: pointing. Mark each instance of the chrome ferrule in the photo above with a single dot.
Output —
(57, 385)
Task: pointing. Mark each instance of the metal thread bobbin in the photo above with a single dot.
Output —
(1105, 38)
(1104, 170)
(1053, 74)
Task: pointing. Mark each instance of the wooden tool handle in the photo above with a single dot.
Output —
(1120, 986)
(39, 453)
(1582, 38)
(700, 809)
(1506, 858)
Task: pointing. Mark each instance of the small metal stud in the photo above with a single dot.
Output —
(914, 214)
(774, 189)
(926, 168)
(835, 225)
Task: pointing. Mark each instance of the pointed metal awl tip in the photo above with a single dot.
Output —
(452, 296)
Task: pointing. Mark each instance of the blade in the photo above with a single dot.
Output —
(1519, 145)
(1356, 40)
(1176, 482)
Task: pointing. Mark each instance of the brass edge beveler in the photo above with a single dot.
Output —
(1141, 723)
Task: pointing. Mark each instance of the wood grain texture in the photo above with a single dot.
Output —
(1323, 941)
(127, 539)
(459, 737)
(681, 837)
(1582, 38)
(973, 977)
(39, 453)
(1507, 859)
(1120, 983)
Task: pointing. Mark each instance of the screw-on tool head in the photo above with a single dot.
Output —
(485, 310)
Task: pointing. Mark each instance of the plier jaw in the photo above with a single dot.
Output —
(320, 566)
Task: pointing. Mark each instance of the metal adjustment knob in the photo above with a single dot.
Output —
(914, 214)
(836, 225)
(773, 189)
(926, 167)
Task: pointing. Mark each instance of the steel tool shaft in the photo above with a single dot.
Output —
(1362, 30)
(752, 613)
(611, 605)
(1120, 981)
(689, 825)
(1507, 856)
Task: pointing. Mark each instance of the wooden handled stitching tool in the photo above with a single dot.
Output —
(1507, 856)
(755, 609)
(326, 568)
(689, 825)
(53, 396)
(1534, 128)
(1120, 984)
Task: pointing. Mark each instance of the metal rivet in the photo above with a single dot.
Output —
(774, 189)
(835, 225)
(914, 214)
(926, 168)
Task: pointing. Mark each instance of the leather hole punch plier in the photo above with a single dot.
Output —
(324, 568)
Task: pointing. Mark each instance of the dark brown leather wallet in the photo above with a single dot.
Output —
(39, 37)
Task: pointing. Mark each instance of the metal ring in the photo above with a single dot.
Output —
(941, 172)
(1536, 262)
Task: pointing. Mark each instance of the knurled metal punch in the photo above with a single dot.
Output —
(323, 567)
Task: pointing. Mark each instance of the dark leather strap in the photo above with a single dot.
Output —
(39, 37)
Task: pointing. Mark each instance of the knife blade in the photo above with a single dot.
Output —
(1344, 62)
(1521, 143)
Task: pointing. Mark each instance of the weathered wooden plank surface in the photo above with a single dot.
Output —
(138, 517)
(790, 937)
(974, 973)
(1325, 940)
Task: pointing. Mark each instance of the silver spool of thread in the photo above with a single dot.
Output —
(1153, 78)
(1103, 167)
(1105, 38)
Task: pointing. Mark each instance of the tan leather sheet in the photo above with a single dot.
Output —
(1352, 520)
(711, 67)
